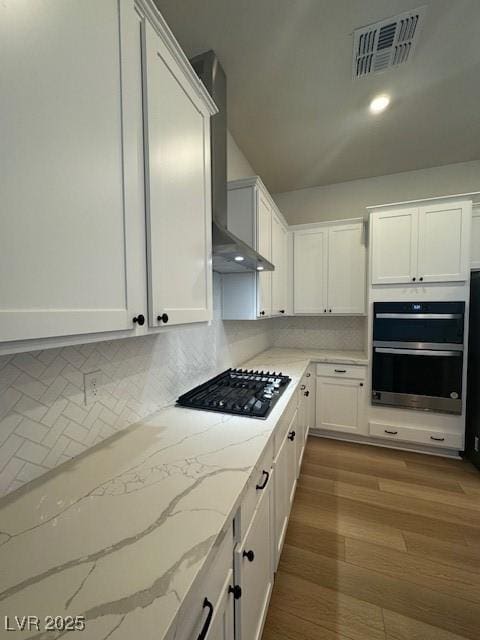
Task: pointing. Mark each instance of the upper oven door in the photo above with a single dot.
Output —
(425, 324)
(418, 378)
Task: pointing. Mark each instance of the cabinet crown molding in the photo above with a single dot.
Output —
(407, 203)
(148, 10)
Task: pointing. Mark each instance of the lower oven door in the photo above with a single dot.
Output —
(418, 378)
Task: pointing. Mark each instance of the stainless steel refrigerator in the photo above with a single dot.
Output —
(472, 444)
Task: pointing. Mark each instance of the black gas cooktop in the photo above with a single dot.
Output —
(238, 391)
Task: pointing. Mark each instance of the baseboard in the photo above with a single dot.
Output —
(401, 446)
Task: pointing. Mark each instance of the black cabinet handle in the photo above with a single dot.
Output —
(308, 375)
(236, 590)
(340, 370)
(306, 393)
(140, 320)
(437, 439)
(266, 475)
(282, 310)
(206, 605)
(392, 433)
(163, 318)
(249, 555)
(291, 435)
(302, 387)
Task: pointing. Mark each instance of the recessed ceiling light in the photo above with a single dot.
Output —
(239, 258)
(259, 268)
(379, 104)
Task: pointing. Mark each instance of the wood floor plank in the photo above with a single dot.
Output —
(400, 627)
(340, 475)
(344, 524)
(467, 474)
(459, 583)
(432, 607)
(283, 625)
(302, 535)
(327, 608)
(427, 493)
(385, 469)
(455, 555)
(392, 503)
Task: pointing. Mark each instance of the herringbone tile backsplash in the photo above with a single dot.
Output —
(43, 417)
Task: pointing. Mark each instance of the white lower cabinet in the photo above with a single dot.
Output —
(222, 626)
(306, 412)
(285, 477)
(254, 570)
(340, 398)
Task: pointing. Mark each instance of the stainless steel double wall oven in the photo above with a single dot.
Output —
(418, 355)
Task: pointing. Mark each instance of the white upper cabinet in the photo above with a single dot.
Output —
(264, 247)
(177, 138)
(443, 242)
(475, 244)
(329, 269)
(394, 246)
(279, 259)
(68, 165)
(254, 218)
(427, 243)
(310, 269)
(346, 268)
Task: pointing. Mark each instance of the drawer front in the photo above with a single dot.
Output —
(194, 612)
(420, 436)
(257, 486)
(355, 371)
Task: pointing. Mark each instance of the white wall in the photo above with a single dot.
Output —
(237, 164)
(349, 199)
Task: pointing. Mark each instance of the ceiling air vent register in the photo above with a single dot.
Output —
(386, 44)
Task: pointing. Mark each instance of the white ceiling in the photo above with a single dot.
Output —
(293, 107)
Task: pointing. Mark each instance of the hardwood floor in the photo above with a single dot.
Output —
(381, 545)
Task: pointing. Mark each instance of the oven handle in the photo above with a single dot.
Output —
(417, 352)
(421, 316)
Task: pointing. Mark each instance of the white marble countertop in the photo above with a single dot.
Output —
(120, 533)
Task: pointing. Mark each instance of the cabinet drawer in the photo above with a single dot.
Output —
(260, 478)
(415, 434)
(194, 611)
(356, 371)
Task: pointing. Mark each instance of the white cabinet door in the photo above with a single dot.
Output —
(394, 246)
(279, 259)
(264, 247)
(177, 137)
(346, 269)
(222, 626)
(340, 404)
(285, 478)
(444, 242)
(475, 246)
(310, 264)
(254, 571)
(68, 132)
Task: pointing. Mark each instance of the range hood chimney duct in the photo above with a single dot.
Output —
(227, 248)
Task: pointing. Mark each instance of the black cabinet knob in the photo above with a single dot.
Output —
(140, 320)
(421, 279)
(249, 555)
(291, 435)
(302, 387)
(324, 311)
(329, 311)
(282, 310)
(236, 590)
(413, 279)
(262, 313)
(306, 393)
(361, 384)
(163, 318)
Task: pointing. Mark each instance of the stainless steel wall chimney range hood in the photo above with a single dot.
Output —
(227, 248)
